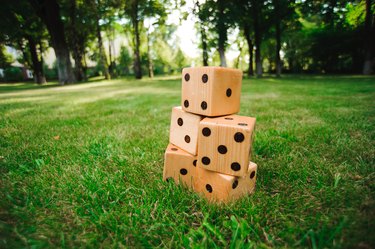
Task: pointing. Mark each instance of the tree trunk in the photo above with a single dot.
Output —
(41, 56)
(204, 45)
(84, 63)
(77, 44)
(250, 45)
(137, 41)
(258, 40)
(277, 20)
(113, 69)
(36, 63)
(79, 67)
(369, 40)
(149, 59)
(278, 48)
(223, 61)
(238, 59)
(203, 33)
(78, 59)
(102, 55)
(49, 12)
(137, 55)
(112, 53)
(110, 67)
(222, 30)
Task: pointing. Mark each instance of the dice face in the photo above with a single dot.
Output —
(179, 166)
(225, 144)
(184, 130)
(219, 187)
(211, 91)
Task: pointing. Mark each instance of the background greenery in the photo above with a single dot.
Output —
(273, 36)
(81, 166)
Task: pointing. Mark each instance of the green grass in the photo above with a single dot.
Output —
(98, 184)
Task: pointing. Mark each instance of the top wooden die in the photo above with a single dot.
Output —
(211, 91)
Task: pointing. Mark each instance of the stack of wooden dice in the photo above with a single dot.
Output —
(210, 147)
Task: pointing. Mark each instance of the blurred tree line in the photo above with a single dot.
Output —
(294, 36)
(77, 31)
(317, 36)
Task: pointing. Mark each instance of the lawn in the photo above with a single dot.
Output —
(81, 166)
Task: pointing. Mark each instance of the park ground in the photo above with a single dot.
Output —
(81, 166)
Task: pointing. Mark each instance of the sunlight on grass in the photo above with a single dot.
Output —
(21, 99)
(84, 93)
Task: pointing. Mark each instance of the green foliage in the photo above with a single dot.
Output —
(180, 60)
(206, 26)
(316, 35)
(163, 48)
(13, 74)
(145, 8)
(296, 51)
(18, 23)
(93, 72)
(124, 61)
(335, 51)
(50, 73)
(81, 167)
(322, 41)
(137, 11)
(356, 13)
(325, 12)
(5, 58)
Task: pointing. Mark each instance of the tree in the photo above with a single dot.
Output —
(125, 60)
(257, 13)
(180, 60)
(149, 40)
(335, 45)
(49, 13)
(23, 30)
(222, 24)
(137, 11)
(369, 39)
(296, 51)
(5, 58)
(240, 44)
(253, 18)
(101, 10)
(132, 9)
(112, 28)
(149, 59)
(221, 15)
(282, 9)
(250, 45)
(36, 61)
(164, 49)
(202, 14)
(244, 19)
(80, 27)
